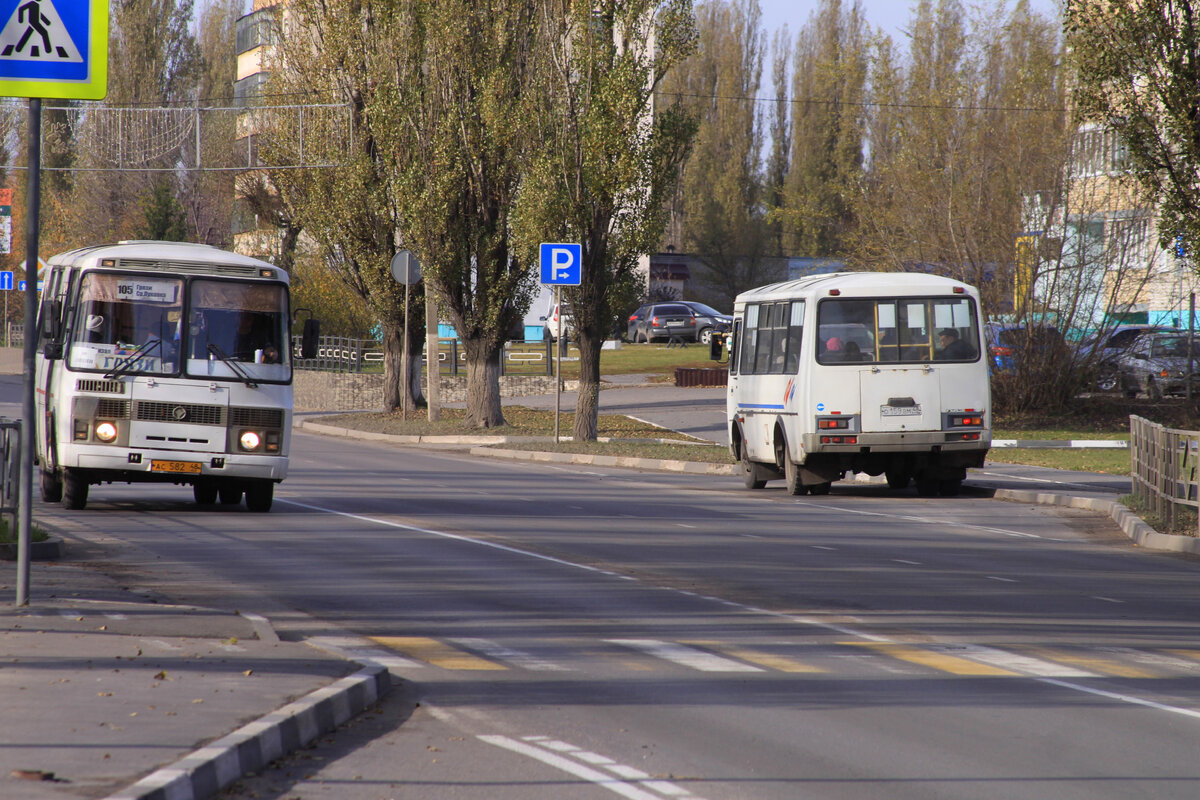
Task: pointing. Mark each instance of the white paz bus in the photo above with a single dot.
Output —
(163, 362)
(882, 373)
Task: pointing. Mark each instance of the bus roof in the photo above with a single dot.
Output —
(163, 255)
(855, 284)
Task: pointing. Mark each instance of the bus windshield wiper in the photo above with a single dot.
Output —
(237, 368)
(126, 363)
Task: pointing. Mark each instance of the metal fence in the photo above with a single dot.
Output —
(1165, 468)
(10, 471)
(341, 354)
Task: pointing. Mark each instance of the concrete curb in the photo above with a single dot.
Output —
(1138, 531)
(252, 747)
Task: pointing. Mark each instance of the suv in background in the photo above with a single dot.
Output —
(1007, 344)
(1105, 351)
(683, 319)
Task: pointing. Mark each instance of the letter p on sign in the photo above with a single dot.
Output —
(561, 264)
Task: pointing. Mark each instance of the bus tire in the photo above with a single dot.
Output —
(821, 488)
(230, 493)
(205, 491)
(52, 487)
(897, 479)
(75, 490)
(927, 486)
(749, 469)
(950, 487)
(259, 495)
(791, 477)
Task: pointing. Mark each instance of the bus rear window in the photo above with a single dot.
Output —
(897, 330)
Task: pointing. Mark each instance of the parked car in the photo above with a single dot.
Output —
(557, 320)
(683, 319)
(1157, 364)
(1103, 352)
(708, 320)
(1009, 343)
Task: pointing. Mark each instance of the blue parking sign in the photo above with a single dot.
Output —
(6, 281)
(562, 264)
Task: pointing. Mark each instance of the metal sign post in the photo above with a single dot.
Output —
(66, 59)
(406, 269)
(561, 265)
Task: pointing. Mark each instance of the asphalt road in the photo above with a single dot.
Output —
(571, 632)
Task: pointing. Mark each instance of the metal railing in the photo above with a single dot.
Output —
(1165, 467)
(10, 471)
(342, 354)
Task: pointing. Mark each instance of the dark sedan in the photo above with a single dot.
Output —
(686, 320)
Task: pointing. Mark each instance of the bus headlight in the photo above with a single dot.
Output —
(250, 440)
(106, 431)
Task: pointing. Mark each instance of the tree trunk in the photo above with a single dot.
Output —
(587, 405)
(416, 349)
(483, 385)
(393, 356)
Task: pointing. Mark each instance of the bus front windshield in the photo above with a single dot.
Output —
(127, 323)
(236, 327)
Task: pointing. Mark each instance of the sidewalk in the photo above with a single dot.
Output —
(103, 687)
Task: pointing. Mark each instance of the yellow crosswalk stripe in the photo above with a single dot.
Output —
(768, 660)
(1104, 666)
(928, 658)
(439, 654)
(1191, 655)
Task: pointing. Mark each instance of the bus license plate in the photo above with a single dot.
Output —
(192, 467)
(899, 411)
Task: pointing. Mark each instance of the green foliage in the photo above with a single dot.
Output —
(1138, 73)
(163, 215)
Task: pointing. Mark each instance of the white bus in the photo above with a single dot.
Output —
(163, 362)
(881, 373)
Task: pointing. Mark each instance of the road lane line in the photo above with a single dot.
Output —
(926, 657)
(922, 520)
(431, 651)
(570, 767)
(768, 660)
(685, 656)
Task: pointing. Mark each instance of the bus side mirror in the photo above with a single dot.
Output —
(52, 351)
(716, 346)
(309, 339)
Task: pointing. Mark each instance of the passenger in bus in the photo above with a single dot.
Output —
(852, 352)
(952, 348)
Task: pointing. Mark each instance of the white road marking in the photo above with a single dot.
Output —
(906, 561)
(1107, 599)
(1014, 662)
(688, 657)
(519, 658)
(803, 620)
(1002, 580)
(581, 771)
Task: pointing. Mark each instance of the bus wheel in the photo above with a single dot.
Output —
(897, 479)
(749, 471)
(51, 487)
(791, 476)
(259, 495)
(950, 488)
(820, 488)
(205, 491)
(75, 490)
(230, 493)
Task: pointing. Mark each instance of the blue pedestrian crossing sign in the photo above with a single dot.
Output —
(54, 48)
(562, 264)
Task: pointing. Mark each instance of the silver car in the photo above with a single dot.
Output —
(1158, 364)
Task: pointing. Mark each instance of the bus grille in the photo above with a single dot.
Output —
(256, 417)
(154, 411)
(108, 408)
(95, 385)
